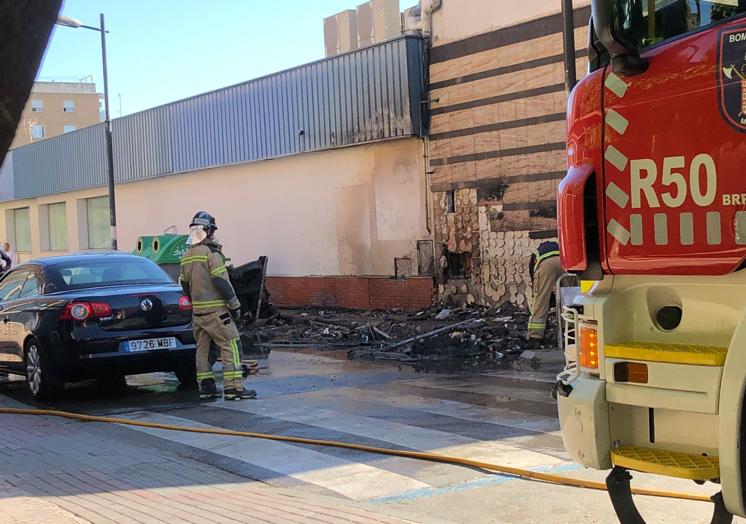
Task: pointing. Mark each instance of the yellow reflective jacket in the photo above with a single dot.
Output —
(205, 279)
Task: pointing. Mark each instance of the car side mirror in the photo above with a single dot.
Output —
(624, 54)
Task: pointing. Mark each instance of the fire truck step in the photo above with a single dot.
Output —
(670, 353)
(668, 463)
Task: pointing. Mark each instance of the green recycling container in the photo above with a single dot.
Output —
(164, 250)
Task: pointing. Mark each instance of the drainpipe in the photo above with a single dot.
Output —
(428, 7)
(568, 33)
(428, 194)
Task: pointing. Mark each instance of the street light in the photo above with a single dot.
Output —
(72, 22)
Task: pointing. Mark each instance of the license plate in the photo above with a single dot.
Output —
(150, 344)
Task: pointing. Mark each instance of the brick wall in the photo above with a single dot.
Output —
(356, 292)
(497, 150)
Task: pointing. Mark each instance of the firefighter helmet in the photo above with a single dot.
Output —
(204, 219)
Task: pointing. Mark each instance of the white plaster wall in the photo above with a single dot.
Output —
(343, 212)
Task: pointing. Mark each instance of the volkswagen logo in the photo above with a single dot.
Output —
(146, 305)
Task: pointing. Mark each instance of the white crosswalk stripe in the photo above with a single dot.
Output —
(361, 476)
(352, 479)
(400, 434)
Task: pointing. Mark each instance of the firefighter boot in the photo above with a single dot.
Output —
(235, 394)
(208, 390)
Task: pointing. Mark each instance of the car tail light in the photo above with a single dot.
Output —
(81, 311)
(184, 303)
(588, 347)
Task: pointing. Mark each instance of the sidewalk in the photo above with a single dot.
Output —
(61, 471)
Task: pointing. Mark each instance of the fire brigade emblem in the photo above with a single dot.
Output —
(731, 74)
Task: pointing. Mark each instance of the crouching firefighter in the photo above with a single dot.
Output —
(204, 278)
(544, 269)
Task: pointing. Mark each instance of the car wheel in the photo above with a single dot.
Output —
(41, 381)
(186, 372)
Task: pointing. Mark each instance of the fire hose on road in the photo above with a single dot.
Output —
(418, 455)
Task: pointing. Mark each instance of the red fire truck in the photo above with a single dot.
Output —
(653, 212)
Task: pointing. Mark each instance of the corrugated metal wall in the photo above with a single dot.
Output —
(367, 95)
(6, 177)
(64, 163)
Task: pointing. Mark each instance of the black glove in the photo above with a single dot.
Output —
(236, 314)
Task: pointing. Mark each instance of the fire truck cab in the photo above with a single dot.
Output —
(653, 212)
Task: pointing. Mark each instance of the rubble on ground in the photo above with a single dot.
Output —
(475, 336)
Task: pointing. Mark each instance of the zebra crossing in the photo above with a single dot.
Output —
(488, 417)
(118, 473)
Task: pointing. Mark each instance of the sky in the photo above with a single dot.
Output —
(159, 51)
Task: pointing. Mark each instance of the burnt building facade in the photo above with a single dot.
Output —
(496, 152)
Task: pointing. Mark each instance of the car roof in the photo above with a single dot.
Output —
(81, 257)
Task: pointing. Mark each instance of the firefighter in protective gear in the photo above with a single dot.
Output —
(204, 278)
(544, 269)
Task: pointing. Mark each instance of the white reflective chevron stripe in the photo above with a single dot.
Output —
(712, 220)
(616, 157)
(635, 226)
(740, 227)
(686, 229)
(616, 85)
(618, 231)
(714, 230)
(617, 195)
(660, 224)
(616, 121)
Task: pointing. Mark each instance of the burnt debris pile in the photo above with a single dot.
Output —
(478, 337)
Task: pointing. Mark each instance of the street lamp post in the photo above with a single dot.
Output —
(71, 22)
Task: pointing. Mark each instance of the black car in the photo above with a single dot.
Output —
(93, 315)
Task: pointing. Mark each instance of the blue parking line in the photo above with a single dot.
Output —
(492, 480)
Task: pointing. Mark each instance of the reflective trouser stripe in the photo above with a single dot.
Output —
(236, 355)
(216, 327)
(537, 325)
(205, 375)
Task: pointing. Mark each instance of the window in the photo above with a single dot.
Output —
(68, 106)
(450, 201)
(37, 106)
(68, 129)
(57, 216)
(457, 265)
(37, 131)
(22, 229)
(105, 271)
(671, 18)
(97, 213)
(11, 285)
(31, 287)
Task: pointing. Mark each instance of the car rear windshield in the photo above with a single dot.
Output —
(82, 274)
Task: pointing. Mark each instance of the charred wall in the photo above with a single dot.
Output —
(497, 154)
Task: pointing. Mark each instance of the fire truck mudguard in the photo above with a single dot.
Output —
(732, 427)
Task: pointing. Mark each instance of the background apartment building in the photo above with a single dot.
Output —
(55, 108)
